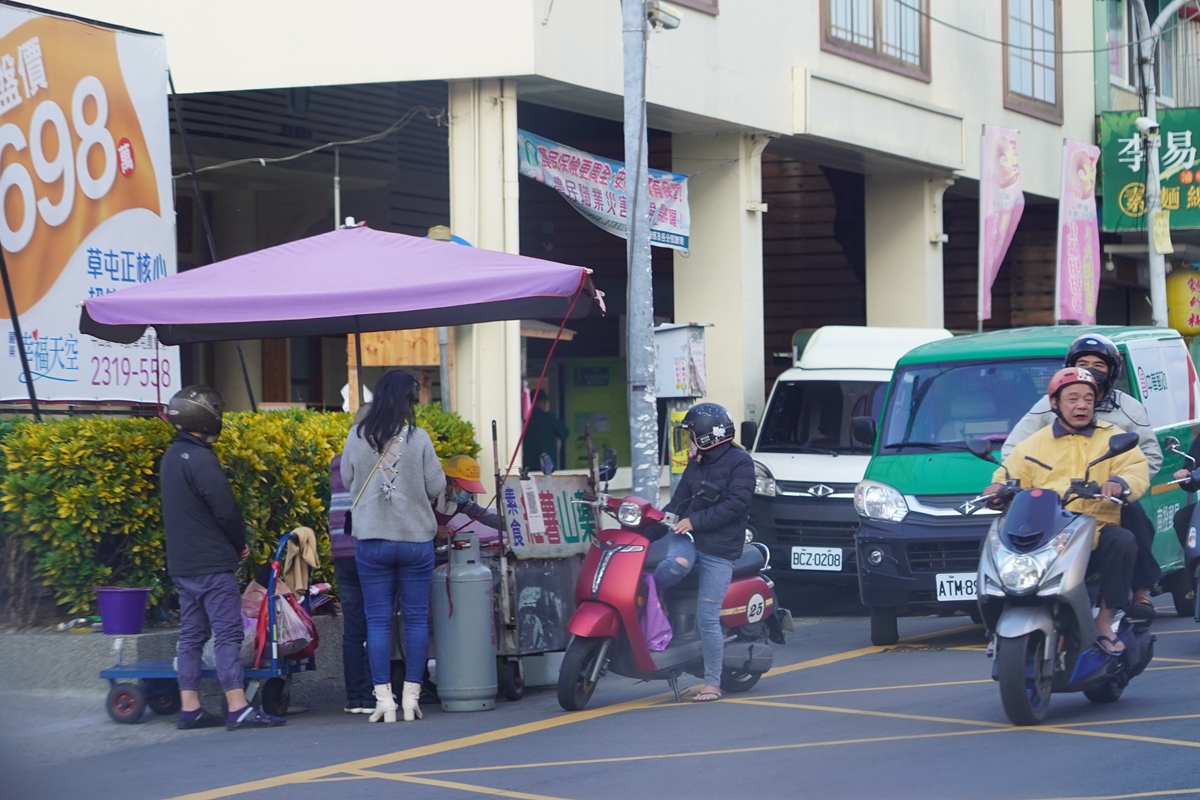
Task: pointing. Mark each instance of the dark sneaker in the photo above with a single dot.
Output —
(251, 717)
(204, 719)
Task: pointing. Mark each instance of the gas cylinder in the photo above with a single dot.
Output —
(464, 630)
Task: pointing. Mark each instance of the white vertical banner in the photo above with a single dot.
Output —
(85, 173)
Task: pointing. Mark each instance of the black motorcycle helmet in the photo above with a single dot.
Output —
(197, 409)
(710, 424)
(1093, 344)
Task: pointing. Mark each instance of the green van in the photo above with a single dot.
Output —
(916, 551)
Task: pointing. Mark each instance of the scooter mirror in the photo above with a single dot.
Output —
(981, 448)
(1121, 443)
(608, 468)
(1172, 445)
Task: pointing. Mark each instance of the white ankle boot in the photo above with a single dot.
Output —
(385, 704)
(410, 700)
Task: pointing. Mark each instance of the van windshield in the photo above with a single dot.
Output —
(814, 416)
(939, 406)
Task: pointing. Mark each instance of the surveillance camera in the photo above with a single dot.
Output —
(662, 16)
(1146, 126)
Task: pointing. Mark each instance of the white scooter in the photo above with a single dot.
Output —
(1035, 593)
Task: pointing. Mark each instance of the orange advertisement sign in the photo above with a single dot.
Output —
(86, 206)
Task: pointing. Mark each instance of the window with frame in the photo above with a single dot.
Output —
(1033, 58)
(893, 34)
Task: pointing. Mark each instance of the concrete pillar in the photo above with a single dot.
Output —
(904, 251)
(721, 281)
(483, 210)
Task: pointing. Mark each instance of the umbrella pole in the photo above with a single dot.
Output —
(505, 545)
(12, 313)
(208, 234)
(358, 365)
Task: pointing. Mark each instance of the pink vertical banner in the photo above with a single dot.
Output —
(1001, 203)
(1077, 267)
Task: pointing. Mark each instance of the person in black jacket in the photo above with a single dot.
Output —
(711, 531)
(206, 541)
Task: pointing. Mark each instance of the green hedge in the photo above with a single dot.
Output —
(82, 495)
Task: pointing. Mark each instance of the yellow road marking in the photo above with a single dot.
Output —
(519, 730)
(1125, 736)
(767, 748)
(1124, 721)
(1177, 666)
(861, 712)
(1175, 633)
(1178, 660)
(462, 787)
(872, 689)
(1161, 793)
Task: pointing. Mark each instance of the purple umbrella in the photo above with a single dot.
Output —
(346, 281)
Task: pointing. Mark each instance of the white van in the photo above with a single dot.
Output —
(806, 461)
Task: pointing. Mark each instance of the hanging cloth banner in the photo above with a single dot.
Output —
(1077, 267)
(595, 186)
(1001, 203)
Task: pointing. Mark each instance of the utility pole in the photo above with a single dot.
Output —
(643, 406)
(1147, 37)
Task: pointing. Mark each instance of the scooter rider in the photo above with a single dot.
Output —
(1053, 456)
(1098, 354)
(1183, 517)
(718, 528)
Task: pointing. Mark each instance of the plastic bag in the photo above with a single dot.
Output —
(296, 634)
(655, 626)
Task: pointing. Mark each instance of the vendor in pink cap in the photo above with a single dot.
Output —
(462, 484)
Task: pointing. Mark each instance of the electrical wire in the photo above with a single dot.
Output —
(438, 115)
(1012, 46)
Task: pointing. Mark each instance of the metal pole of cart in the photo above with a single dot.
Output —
(505, 543)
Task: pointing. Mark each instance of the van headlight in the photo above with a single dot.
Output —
(875, 500)
(764, 484)
(630, 514)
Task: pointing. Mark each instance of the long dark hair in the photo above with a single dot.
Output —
(393, 408)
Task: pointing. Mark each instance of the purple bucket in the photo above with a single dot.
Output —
(121, 610)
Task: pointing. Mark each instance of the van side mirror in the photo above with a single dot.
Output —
(749, 434)
(863, 430)
(982, 448)
(608, 468)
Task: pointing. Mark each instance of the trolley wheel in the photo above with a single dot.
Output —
(276, 694)
(512, 685)
(126, 703)
(162, 696)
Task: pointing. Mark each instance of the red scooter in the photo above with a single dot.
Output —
(606, 633)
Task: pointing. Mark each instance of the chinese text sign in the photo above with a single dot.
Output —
(595, 186)
(1124, 161)
(87, 201)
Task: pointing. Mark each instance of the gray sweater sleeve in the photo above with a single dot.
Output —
(1131, 416)
(435, 479)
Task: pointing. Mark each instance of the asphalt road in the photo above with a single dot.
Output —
(836, 718)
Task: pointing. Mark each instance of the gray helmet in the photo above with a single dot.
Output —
(197, 409)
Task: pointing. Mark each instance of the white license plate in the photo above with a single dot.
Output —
(824, 559)
(956, 585)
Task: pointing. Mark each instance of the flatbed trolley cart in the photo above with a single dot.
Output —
(155, 684)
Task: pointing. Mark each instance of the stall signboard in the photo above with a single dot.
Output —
(1124, 160)
(595, 186)
(542, 520)
(86, 204)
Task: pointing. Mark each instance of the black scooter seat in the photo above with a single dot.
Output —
(750, 562)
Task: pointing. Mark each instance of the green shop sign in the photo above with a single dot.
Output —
(1123, 161)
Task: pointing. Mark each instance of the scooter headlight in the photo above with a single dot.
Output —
(630, 514)
(1021, 574)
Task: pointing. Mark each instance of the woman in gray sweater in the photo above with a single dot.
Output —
(393, 474)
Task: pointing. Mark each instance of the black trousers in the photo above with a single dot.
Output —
(1146, 571)
(1114, 558)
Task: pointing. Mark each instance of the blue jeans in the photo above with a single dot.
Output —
(382, 564)
(354, 634)
(715, 575)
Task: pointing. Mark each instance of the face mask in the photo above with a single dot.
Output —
(1101, 378)
(461, 496)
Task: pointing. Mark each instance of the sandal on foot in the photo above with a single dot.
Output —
(1142, 610)
(706, 697)
(1108, 643)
